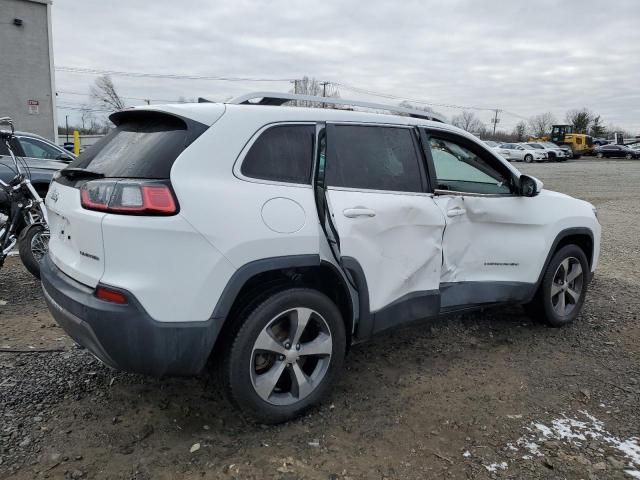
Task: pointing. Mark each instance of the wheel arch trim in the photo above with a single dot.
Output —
(567, 232)
(251, 269)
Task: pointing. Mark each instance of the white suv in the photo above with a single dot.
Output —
(269, 238)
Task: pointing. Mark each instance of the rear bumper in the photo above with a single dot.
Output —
(125, 337)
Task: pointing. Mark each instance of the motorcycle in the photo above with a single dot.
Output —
(23, 217)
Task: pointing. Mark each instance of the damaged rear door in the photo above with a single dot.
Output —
(385, 218)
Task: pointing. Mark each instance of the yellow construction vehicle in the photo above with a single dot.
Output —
(580, 143)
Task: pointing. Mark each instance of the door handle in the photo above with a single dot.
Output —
(456, 212)
(358, 212)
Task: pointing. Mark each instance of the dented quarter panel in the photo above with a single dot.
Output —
(399, 248)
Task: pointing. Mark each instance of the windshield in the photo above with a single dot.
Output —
(536, 145)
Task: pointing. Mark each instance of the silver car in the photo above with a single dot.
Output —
(42, 158)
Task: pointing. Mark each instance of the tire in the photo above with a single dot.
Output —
(559, 300)
(33, 244)
(271, 324)
(528, 158)
(599, 155)
(628, 156)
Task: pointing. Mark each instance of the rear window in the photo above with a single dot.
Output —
(143, 145)
(283, 153)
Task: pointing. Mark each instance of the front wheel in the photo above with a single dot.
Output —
(33, 245)
(285, 356)
(528, 158)
(563, 288)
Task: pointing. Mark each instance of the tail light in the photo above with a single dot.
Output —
(129, 197)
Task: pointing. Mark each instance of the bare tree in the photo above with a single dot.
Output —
(579, 119)
(540, 125)
(104, 92)
(86, 115)
(313, 87)
(468, 121)
(520, 131)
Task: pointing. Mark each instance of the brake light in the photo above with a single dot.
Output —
(129, 197)
(109, 295)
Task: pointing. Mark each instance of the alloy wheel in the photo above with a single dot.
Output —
(291, 356)
(566, 288)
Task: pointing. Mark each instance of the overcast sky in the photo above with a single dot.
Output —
(524, 57)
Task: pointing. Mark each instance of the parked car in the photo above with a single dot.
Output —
(617, 151)
(566, 149)
(162, 259)
(554, 154)
(521, 152)
(42, 158)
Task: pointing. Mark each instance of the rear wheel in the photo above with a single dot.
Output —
(599, 155)
(286, 354)
(628, 156)
(564, 285)
(528, 158)
(33, 245)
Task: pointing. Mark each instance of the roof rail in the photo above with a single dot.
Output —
(275, 98)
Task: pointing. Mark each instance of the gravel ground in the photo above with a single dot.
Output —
(486, 395)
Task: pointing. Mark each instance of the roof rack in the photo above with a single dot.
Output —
(275, 98)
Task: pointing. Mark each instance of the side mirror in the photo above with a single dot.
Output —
(64, 158)
(530, 186)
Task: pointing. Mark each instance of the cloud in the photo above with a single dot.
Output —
(523, 57)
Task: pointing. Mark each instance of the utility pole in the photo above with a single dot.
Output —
(495, 121)
(324, 92)
(66, 121)
(148, 102)
(295, 91)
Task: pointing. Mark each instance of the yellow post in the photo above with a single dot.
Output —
(76, 142)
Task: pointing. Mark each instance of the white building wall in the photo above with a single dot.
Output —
(26, 66)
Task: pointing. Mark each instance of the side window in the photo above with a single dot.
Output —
(283, 153)
(461, 169)
(373, 158)
(36, 149)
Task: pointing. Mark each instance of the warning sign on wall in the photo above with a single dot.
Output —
(34, 107)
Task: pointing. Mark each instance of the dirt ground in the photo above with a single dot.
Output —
(487, 395)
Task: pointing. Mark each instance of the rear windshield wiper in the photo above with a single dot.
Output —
(80, 173)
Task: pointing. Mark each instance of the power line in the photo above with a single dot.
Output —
(174, 76)
(121, 96)
(515, 115)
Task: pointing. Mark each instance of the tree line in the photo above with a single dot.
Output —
(582, 120)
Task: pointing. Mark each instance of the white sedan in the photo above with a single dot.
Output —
(555, 153)
(522, 152)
